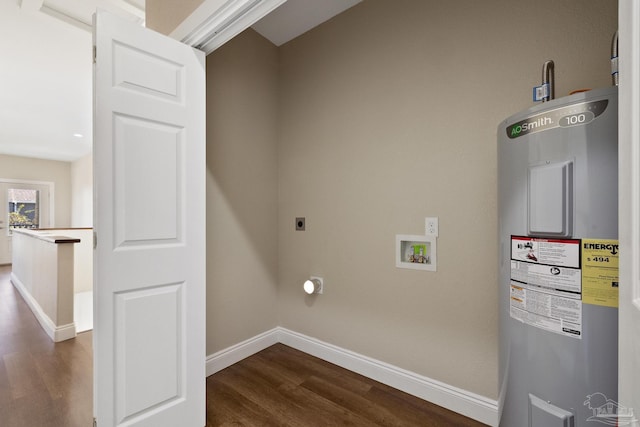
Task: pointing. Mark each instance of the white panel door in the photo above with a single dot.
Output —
(149, 219)
(629, 208)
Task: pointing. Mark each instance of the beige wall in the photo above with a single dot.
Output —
(82, 192)
(242, 191)
(58, 172)
(165, 15)
(386, 114)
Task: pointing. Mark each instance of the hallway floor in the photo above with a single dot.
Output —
(42, 383)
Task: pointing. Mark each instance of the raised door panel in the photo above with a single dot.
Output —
(149, 262)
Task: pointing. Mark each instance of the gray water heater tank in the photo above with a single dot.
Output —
(558, 262)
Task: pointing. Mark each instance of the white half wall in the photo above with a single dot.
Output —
(42, 271)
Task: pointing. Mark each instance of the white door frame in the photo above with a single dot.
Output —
(215, 22)
(629, 205)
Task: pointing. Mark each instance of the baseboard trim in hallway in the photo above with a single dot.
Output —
(56, 333)
(453, 398)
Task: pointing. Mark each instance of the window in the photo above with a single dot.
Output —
(24, 210)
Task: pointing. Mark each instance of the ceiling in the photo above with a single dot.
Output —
(296, 17)
(46, 71)
(45, 76)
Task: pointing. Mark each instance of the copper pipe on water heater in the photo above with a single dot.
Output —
(614, 59)
(549, 78)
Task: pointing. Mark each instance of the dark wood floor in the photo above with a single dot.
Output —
(48, 384)
(42, 383)
(281, 386)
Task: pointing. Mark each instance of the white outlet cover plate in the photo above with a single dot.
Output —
(431, 226)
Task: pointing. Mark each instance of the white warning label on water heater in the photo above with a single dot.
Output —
(557, 252)
(546, 284)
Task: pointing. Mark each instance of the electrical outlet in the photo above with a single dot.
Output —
(431, 226)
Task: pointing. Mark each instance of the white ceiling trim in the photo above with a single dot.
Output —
(66, 17)
(215, 22)
(138, 4)
(80, 12)
(30, 4)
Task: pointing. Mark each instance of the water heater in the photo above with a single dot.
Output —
(558, 262)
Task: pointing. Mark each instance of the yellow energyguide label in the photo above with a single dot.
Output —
(600, 272)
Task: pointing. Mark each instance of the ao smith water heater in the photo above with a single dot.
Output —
(558, 230)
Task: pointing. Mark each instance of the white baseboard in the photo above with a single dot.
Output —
(227, 357)
(64, 332)
(453, 398)
(56, 333)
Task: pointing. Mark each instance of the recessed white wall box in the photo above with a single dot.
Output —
(416, 252)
